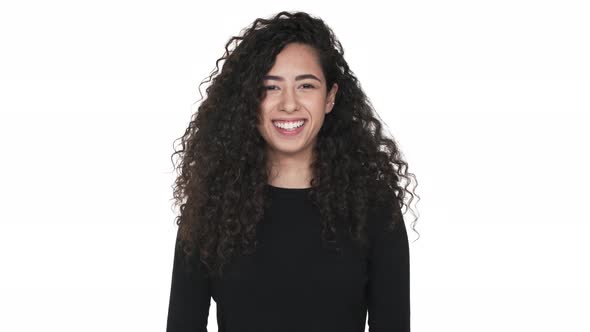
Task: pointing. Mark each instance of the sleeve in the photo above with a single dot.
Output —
(188, 308)
(389, 278)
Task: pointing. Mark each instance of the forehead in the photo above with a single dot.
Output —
(295, 59)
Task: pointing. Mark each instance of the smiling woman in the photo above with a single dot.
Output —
(290, 194)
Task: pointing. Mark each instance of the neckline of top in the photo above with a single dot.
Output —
(292, 190)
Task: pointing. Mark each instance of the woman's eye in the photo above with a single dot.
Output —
(271, 87)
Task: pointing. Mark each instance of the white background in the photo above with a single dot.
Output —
(487, 99)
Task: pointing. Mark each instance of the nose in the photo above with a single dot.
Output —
(290, 103)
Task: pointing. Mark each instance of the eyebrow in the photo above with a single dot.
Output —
(297, 78)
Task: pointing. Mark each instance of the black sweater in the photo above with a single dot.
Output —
(291, 283)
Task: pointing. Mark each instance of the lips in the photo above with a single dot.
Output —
(293, 132)
(286, 119)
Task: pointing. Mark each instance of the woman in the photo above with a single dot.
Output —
(289, 194)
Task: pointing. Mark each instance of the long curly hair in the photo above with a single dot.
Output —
(222, 170)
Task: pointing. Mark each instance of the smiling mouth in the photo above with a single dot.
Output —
(289, 128)
(289, 125)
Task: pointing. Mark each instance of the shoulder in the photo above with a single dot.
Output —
(384, 219)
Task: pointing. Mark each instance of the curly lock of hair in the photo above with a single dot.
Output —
(222, 175)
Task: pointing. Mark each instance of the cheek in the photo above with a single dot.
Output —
(263, 128)
(261, 115)
(263, 110)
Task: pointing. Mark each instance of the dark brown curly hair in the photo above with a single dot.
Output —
(222, 173)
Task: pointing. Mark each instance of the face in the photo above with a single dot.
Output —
(296, 93)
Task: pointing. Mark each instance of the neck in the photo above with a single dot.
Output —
(289, 171)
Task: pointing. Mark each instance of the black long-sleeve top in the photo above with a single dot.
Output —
(291, 283)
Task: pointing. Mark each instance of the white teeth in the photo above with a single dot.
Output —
(289, 125)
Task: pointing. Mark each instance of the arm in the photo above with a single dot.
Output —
(188, 308)
(389, 278)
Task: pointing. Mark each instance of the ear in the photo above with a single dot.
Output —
(331, 98)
